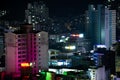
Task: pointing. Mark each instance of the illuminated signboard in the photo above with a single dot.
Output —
(101, 46)
(70, 47)
(25, 65)
(78, 35)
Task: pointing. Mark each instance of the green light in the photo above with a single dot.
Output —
(48, 76)
(65, 73)
(43, 73)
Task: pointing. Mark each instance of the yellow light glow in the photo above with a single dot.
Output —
(70, 47)
(25, 65)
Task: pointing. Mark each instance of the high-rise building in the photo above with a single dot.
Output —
(3, 29)
(91, 24)
(115, 4)
(101, 25)
(1, 40)
(100, 29)
(110, 27)
(37, 14)
(26, 46)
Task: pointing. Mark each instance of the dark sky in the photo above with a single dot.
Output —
(56, 7)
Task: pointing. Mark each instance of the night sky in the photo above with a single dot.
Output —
(59, 8)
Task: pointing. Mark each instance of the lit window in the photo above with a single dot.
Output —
(38, 34)
(33, 16)
(43, 19)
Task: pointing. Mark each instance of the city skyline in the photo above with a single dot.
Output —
(42, 37)
(59, 8)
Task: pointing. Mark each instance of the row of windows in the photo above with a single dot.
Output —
(21, 60)
(21, 44)
(31, 54)
(19, 40)
(22, 48)
(23, 56)
(21, 52)
(25, 43)
(33, 59)
(24, 39)
(21, 36)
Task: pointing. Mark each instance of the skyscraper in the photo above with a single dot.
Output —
(101, 25)
(115, 4)
(100, 28)
(37, 14)
(91, 24)
(110, 27)
(26, 46)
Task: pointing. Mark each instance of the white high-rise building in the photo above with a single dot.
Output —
(110, 27)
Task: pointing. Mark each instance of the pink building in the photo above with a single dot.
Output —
(26, 46)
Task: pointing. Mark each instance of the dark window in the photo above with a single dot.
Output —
(19, 44)
(19, 56)
(19, 40)
(34, 71)
(23, 60)
(18, 64)
(19, 60)
(23, 56)
(19, 35)
(19, 52)
(23, 52)
(19, 69)
(19, 48)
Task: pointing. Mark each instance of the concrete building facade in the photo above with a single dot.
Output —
(28, 47)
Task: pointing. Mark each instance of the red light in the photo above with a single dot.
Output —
(25, 65)
(75, 35)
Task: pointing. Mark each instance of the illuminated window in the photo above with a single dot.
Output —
(39, 35)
